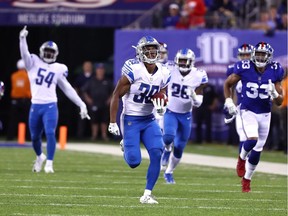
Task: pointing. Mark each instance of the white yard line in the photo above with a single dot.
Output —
(188, 158)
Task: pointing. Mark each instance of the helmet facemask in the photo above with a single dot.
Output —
(147, 50)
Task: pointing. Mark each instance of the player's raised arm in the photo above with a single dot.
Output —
(25, 55)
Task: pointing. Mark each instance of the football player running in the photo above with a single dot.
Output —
(244, 53)
(141, 78)
(185, 90)
(261, 85)
(44, 75)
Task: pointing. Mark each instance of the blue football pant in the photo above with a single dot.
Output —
(43, 117)
(177, 129)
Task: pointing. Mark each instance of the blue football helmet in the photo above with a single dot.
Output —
(147, 50)
(262, 54)
(185, 59)
(245, 51)
(2, 89)
(49, 52)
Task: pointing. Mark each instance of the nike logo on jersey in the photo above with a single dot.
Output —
(51, 106)
(188, 118)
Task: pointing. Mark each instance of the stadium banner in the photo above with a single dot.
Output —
(214, 50)
(100, 13)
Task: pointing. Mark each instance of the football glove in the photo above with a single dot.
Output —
(159, 105)
(197, 99)
(23, 32)
(232, 109)
(114, 129)
(84, 113)
(271, 90)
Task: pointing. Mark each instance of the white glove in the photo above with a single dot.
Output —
(159, 105)
(197, 99)
(191, 93)
(271, 90)
(232, 109)
(84, 113)
(23, 32)
(114, 129)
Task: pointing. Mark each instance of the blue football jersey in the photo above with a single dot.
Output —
(255, 84)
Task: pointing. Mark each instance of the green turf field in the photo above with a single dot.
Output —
(95, 184)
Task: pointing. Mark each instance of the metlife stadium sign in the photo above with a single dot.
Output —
(107, 13)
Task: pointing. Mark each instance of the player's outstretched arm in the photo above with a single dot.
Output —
(70, 92)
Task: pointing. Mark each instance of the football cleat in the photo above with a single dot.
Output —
(38, 163)
(122, 145)
(246, 185)
(48, 169)
(169, 178)
(148, 199)
(240, 169)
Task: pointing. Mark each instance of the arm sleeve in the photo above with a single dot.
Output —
(70, 92)
(25, 55)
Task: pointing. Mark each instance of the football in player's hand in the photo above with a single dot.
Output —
(161, 96)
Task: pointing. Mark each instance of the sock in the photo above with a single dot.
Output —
(147, 192)
(250, 169)
(173, 162)
(49, 163)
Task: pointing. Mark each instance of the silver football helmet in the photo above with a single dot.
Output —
(49, 52)
(2, 89)
(185, 59)
(163, 58)
(262, 54)
(147, 50)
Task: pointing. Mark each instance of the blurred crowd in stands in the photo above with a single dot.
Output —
(266, 15)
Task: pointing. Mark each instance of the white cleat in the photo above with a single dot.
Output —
(38, 163)
(148, 199)
(48, 169)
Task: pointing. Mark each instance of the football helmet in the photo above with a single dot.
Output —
(147, 50)
(49, 52)
(185, 59)
(2, 89)
(163, 52)
(262, 54)
(245, 51)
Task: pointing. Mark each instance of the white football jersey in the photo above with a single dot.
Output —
(44, 78)
(137, 102)
(178, 100)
